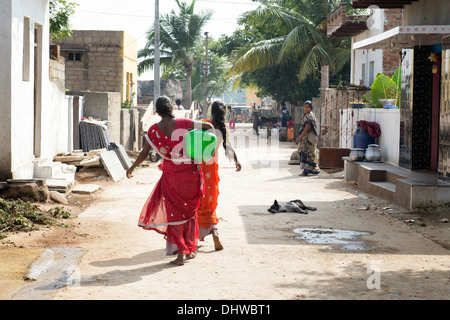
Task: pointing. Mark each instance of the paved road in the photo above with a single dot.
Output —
(266, 256)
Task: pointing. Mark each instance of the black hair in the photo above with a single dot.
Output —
(178, 101)
(309, 102)
(218, 118)
(164, 107)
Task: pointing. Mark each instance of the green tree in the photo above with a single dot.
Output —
(218, 80)
(179, 32)
(60, 12)
(294, 36)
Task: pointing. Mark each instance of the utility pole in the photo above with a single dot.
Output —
(156, 81)
(205, 91)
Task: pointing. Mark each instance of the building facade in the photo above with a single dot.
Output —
(33, 107)
(103, 61)
(423, 43)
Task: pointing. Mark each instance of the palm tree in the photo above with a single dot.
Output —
(301, 36)
(178, 34)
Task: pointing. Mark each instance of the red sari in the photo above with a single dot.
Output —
(171, 208)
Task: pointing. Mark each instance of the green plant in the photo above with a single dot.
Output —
(365, 99)
(18, 215)
(386, 88)
(127, 104)
(60, 13)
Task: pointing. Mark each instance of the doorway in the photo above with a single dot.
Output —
(436, 58)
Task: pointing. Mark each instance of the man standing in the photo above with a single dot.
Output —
(284, 119)
(255, 120)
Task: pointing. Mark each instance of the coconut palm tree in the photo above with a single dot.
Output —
(178, 34)
(301, 36)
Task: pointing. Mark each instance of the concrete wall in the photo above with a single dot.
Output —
(5, 88)
(427, 12)
(21, 131)
(106, 106)
(389, 121)
(129, 45)
(129, 129)
(367, 63)
(361, 59)
(57, 131)
(105, 58)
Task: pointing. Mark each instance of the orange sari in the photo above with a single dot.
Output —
(206, 213)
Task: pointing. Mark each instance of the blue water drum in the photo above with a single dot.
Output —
(362, 139)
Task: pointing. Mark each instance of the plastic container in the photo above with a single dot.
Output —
(200, 145)
(362, 139)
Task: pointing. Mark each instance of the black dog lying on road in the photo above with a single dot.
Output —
(290, 206)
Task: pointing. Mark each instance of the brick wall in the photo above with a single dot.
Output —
(94, 60)
(391, 59)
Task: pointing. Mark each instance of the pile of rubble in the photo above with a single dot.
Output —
(106, 163)
(98, 163)
(88, 163)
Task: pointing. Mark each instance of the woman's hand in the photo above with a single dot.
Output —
(129, 172)
(238, 167)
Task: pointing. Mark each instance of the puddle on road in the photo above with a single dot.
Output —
(347, 239)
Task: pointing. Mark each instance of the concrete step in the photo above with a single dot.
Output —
(59, 185)
(382, 189)
(45, 169)
(384, 184)
(58, 176)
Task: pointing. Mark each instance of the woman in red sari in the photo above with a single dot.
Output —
(207, 218)
(171, 208)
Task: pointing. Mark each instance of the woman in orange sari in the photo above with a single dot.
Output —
(171, 208)
(207, 217)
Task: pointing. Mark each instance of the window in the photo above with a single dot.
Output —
(74, 56)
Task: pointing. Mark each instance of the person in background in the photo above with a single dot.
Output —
(307, 142)
(178, 103)
(171, 208)
(255, 118)
(290, 129)
(231, 117)
(284, 115)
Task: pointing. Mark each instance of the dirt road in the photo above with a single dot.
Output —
(266, 256)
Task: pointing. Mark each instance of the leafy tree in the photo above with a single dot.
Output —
(218, 81)
(60, 12)
(294, 36)
(179, 32)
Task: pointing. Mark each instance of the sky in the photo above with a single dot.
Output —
(135, 17)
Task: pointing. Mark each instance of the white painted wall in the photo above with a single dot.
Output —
(362, 59)
(17, 129)
(22, 93)
(5, 87)
(389, 122)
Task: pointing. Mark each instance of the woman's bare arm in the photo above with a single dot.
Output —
(141, 157)
(202, 125)
(305, 131)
